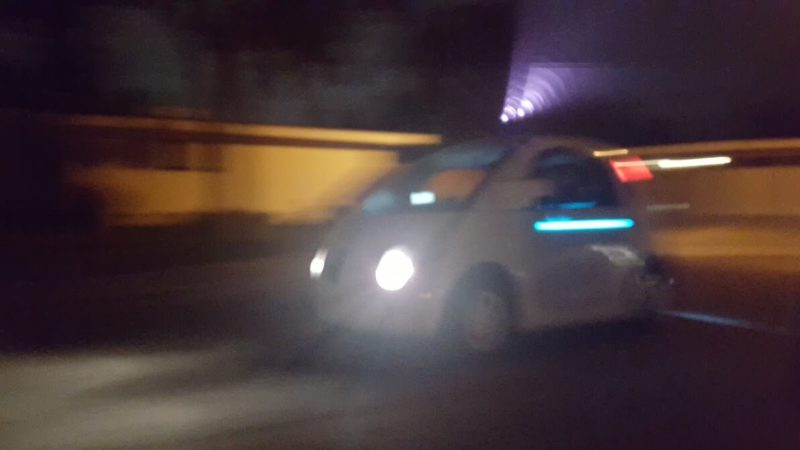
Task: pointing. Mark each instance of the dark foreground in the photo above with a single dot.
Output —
(679, 385)
(219, 356)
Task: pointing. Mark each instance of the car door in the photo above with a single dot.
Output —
(573, 232)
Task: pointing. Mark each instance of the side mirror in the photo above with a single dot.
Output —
(517, 194)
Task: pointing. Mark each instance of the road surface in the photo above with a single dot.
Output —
(682, 384)
(217, 357)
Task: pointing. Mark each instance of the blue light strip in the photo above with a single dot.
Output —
(565, 224)
(577, 205)
(571, 205)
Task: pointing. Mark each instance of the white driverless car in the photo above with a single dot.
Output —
(482, 240)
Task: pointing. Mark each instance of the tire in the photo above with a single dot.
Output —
(480, 321)
(646, 295)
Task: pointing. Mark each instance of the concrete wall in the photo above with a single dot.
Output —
(756, 191)
(307, 184)
(150, 197)
(288, 184)
(299, 184)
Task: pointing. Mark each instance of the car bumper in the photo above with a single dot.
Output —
(413, 313)
(660, 291)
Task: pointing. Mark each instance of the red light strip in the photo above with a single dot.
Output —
(631, 169)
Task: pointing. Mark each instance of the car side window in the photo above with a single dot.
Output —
(578, 181)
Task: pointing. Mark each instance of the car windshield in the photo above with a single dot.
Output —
(445, 180)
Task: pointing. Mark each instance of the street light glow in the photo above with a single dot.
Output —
(693, 162)
(611, 152)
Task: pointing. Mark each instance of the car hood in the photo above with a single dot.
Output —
(356, 243)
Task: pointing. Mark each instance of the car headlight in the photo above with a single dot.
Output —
(394, 269)
(318, 263)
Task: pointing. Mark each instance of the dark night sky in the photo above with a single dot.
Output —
(627, 71)
(406, 65)
(643, 72)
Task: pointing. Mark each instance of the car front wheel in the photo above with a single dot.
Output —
(482, 322)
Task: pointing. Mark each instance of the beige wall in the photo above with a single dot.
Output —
(290, 184)
(144, 196)
(299, 183)
(740, 191)
(308, 184)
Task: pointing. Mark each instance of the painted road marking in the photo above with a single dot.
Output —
(723, 321)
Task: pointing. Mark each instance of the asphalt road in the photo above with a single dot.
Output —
(219, 357)
(681, 384)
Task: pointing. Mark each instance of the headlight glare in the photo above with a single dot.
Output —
(394, 270)
(318, 263)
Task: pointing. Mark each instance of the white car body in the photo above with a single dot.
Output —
(554, 277)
